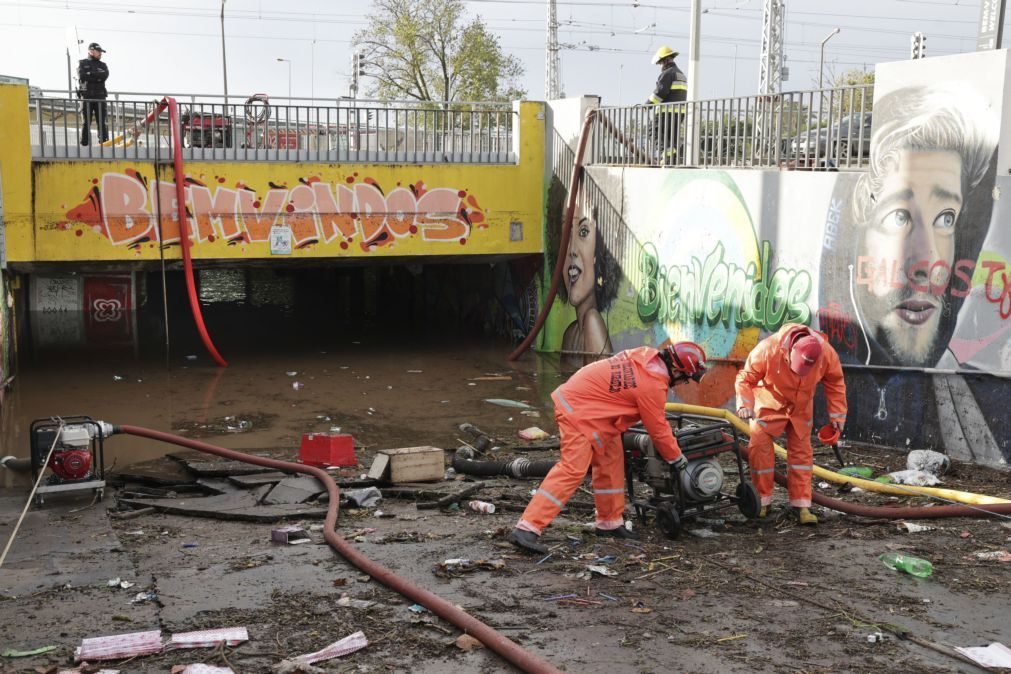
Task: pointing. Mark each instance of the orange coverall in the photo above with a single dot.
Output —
(592, 409)
(783, 400)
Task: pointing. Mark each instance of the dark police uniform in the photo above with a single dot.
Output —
(671, 87)
(92, 74)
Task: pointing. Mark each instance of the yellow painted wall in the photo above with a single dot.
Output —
(106, 211)
(16, 169)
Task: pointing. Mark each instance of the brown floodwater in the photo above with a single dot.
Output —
(298, 363)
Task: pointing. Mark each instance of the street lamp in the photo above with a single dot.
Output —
(288, 61)
(821, 60)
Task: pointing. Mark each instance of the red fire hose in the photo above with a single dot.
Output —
(184, 226)
(509, 650)
(563, 245)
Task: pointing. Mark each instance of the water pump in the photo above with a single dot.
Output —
(72, 449)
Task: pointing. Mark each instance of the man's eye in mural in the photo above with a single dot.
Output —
(897, 219)
(945, 220)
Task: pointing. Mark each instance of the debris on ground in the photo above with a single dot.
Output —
(928, 461)
(914, 478)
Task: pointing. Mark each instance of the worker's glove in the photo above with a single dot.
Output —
(680, 463)
(838, 425)
(746, 413)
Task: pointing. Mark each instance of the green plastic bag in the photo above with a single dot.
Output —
(857, 471)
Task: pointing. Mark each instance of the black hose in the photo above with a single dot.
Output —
(464, 463)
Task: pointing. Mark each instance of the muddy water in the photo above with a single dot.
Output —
(298, 363)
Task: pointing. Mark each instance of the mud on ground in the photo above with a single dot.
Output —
(769, 596)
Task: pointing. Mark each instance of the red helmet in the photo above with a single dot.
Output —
(685, 360)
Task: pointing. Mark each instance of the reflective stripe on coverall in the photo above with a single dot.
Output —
(784, 401)
(592, 409)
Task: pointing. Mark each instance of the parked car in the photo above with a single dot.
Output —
(848, 138)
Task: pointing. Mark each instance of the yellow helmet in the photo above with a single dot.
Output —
(662, 53)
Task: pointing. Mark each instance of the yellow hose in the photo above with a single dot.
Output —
(832, 476)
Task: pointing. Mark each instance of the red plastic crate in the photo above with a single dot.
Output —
(327, 449)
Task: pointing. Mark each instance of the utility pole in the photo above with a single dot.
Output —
(224, 63)
(552, 65)
(770, 79)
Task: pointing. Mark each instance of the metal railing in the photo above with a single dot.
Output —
(261, 129)
(817, 129)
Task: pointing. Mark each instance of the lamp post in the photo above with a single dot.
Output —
(224, 63)
(288, 61)
(821, 60)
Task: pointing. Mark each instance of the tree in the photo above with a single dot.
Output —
(857, 99)
(429, 50)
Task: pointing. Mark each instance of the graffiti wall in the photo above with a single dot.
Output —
(905, 266)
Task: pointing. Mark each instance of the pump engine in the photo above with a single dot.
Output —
(72, 449)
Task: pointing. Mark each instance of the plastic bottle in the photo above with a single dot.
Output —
(481, 506)
(914, 566)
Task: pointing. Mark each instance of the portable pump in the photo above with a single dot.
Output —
(77, 458)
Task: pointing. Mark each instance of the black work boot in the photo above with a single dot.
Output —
(620, 532)
(527, 541)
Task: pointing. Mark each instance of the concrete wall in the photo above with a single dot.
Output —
(905, 266)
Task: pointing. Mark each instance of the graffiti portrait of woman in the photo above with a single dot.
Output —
(591, 277)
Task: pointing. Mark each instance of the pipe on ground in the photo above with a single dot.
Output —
(524, 660)
(463, 462)
(563, 245)
(977, 504)
(16, 464)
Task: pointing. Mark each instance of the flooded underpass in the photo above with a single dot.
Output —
(403, 364)
(394, 356)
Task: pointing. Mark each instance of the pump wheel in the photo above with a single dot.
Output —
(668, 520)
(747, 500)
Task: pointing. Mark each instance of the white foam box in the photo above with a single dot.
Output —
(409, 464)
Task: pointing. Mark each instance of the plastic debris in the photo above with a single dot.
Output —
(119, 646)
(601, 570)
(10, 653)
(454, 567)
(877, 637)
(703, 533)
(347, 601)
(117, 377)
(928, 461)
(914, 566)
(230, 636)
(417, 608)
(532, 434)
(192, 356)
(348, 644)
(481, 507)
(297, 385)
(143, 597)
(857, 471)
(465, 642)
(913, 528)
(292, 373)
(289, 534)
(996, 655)
(200, 668)
(915, 478)
(363, 498)
(531, 413)
(124, 584)
(503, 402)
(994, 556)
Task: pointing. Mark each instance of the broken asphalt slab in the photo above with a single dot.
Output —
(242, 505)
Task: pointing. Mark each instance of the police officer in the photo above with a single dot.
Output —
(91, 76)
(671, 87)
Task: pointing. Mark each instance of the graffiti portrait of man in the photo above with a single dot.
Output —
(919, 217)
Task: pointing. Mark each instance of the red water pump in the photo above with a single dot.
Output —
(71, 448)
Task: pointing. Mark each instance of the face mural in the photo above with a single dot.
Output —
(591, 276)
(580, 261)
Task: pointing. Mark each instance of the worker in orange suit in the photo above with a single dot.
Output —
(775, 390)
(592, 409)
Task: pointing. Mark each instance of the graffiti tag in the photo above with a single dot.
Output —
(882, 272)
(715, 290)
(1002, 298)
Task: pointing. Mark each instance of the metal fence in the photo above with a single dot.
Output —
(261, 129)
(817, 129)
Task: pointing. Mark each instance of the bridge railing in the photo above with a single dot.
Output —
(817, 129)
(266, 129)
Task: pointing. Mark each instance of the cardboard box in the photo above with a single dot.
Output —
(409, 464)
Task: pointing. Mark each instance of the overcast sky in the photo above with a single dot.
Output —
(175, 47)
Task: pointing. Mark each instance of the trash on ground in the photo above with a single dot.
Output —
(914, 528)
(417, 608)
(877, 637)
(503, 402)
(230, 636)
(995, 655)
(465, 642)
(363, 498)
(914, 566)
(409, 464)
(11, 653)
(601, 570)
(639, 607)
(994, 556)
(495, 377)
(119, 646)
(345, 646)
(456, 567)
(481, 507)
(533, 433)
(347, 601)
(297, 385)
(857, 471)
(915, 478)
(124, 584)
(531, 413)
(143, 597)
(928, 461)
(290, 534)
(703, 533)
(292, 373)
(200, 668)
